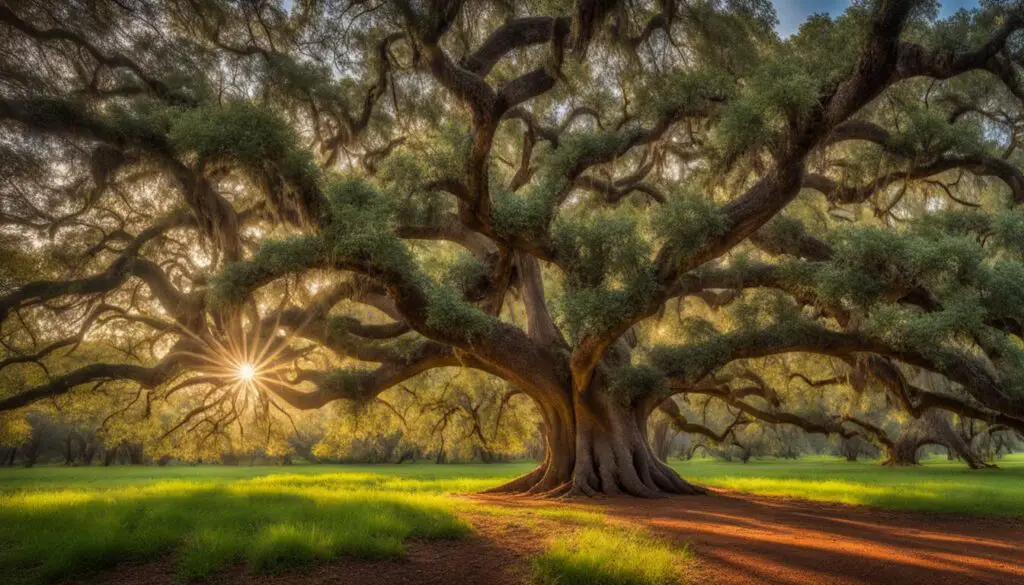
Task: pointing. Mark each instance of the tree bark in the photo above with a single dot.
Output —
(903, 451)
(597, 446)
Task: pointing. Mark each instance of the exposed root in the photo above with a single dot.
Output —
(599, 449)
(656, 480)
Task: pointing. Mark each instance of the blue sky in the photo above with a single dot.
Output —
(793, 12)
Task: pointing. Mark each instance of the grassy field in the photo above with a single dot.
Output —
(57, 522)
(935, 486)
(210, 518)
(60, 522)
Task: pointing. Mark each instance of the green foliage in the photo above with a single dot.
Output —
(362, 227)
(963, 31)
(345, 382)
(871, 263)
(780, 91)
(403, 176)
(449, 150)
(14, 429)
(1002, 289)
(785, 232)
(691, 362)
(1008, 231)
(251, 136)
(730, 36)
(448, 312)
(273, 259)
(928, 131)
(596, 308)
(784, 86)
(601, 248)
(687, 222)
(765, 308)
(709, 350)
(743, 126)
(532, 212)
(305, 80)
(956, 222)
(906, 328)
(685, 91)
(608, 261)
(632, 383)
(523, 215)
(828, 48)
(466, 273)
(147, 122)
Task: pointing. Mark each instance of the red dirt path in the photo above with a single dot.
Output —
(741, 539)
(738, 539)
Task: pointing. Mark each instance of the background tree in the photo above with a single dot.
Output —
(246, 210)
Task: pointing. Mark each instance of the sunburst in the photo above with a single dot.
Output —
(246, 372)
(251, 362)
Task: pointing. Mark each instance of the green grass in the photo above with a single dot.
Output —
(418, 476)
(935, 486)
(57, 522)
(609, 556)
(208, 518)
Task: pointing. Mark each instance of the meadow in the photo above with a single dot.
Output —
(937, 485)
(61, 522)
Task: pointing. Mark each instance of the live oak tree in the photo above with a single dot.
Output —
(762, 412)
(263, 209)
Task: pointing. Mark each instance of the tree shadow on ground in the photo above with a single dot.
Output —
(744, 539)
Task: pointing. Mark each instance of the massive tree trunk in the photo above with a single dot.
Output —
(597, 446)
(931, 428)
(904, 450)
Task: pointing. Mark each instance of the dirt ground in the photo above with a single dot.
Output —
(738, 539)
(747, 540)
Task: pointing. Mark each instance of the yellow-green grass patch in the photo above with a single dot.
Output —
(270, 525)
(610, 556)
(936, 486)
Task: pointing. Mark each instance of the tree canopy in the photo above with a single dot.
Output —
(603, 207)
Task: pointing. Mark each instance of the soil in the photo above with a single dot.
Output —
(738, 539)
(741, 539)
